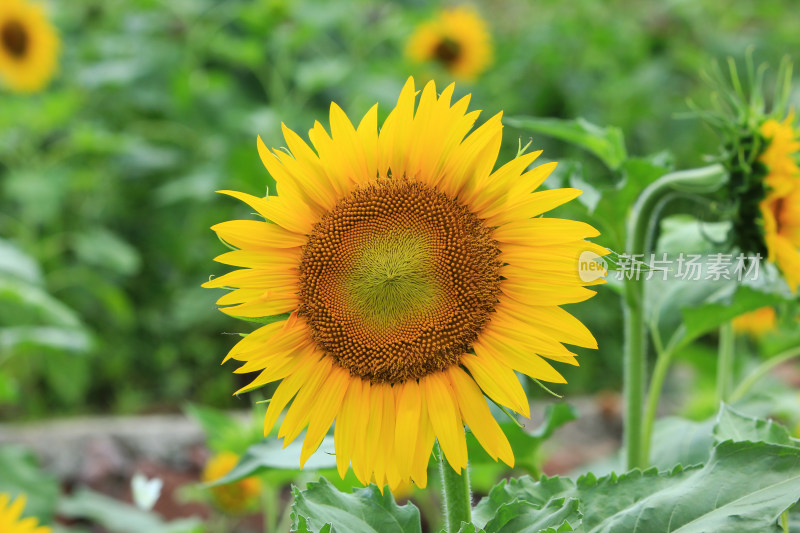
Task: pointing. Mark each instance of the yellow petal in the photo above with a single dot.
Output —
(423, 448)
(368, 136)
(256, 234)
(385, 449)
(255, 278)
(326, 406)
(362, 468)
(544, 231)
(531, 205)
(345, 431)
(409, 405)
(445, 418)
(498, 381)
(299, 413)
(287, 390)
(523, 361)
(264, 259)
(564, 326)
(270, 304)
(476, 414)
(275, 210)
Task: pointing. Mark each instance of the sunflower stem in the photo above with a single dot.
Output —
(456, 495)
(642, 227)
(725, 360)
(762, 370)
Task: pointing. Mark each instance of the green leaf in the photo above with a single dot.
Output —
(555, 416)
(19, 474)
(104, 249)
(364, 511)
(608, 143)
(14, 262)
(35, 303)
(558, 514)
(525, 489)
(75, 340)
(469, 528)
(744, 487)
(270, 454)
(736, 426)
(118, 517)
(706, 318)
(680, 441)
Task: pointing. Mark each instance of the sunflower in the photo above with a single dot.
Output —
(28, 46)
(233, 497)
(10, 513)
(780, 208)
(406, 280)
(756, 323)
(457, 38)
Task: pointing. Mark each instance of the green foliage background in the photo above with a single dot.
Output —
(107, 177)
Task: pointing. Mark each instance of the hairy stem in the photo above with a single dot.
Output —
(456, 494)
(725, 361)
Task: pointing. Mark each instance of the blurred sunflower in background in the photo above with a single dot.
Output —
(412, 281)
(756, 323)
(781, 206)
(10, 513)
(28, 46)
(232, 498)
(457, 38)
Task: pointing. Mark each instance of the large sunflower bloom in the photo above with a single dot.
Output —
(28, 46)
(780, 209)
(457, 39)
(416, 280)
(10, 513)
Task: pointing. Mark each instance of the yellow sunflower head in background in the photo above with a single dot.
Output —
(235, 497)
(780, 208)
(457, 38)
(756, 323)
(28, 46)
(413, 280)
(10, 513)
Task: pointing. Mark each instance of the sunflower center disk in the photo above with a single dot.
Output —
(397, 281)
(14, 38)
(447, 51)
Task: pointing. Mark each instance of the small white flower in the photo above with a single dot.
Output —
(145, 491)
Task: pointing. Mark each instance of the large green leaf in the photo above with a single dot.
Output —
(363, 511)
(526, 489)
(680, 441)
(743, 487)
(736, 426)
(558, 514)
(606, 143)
